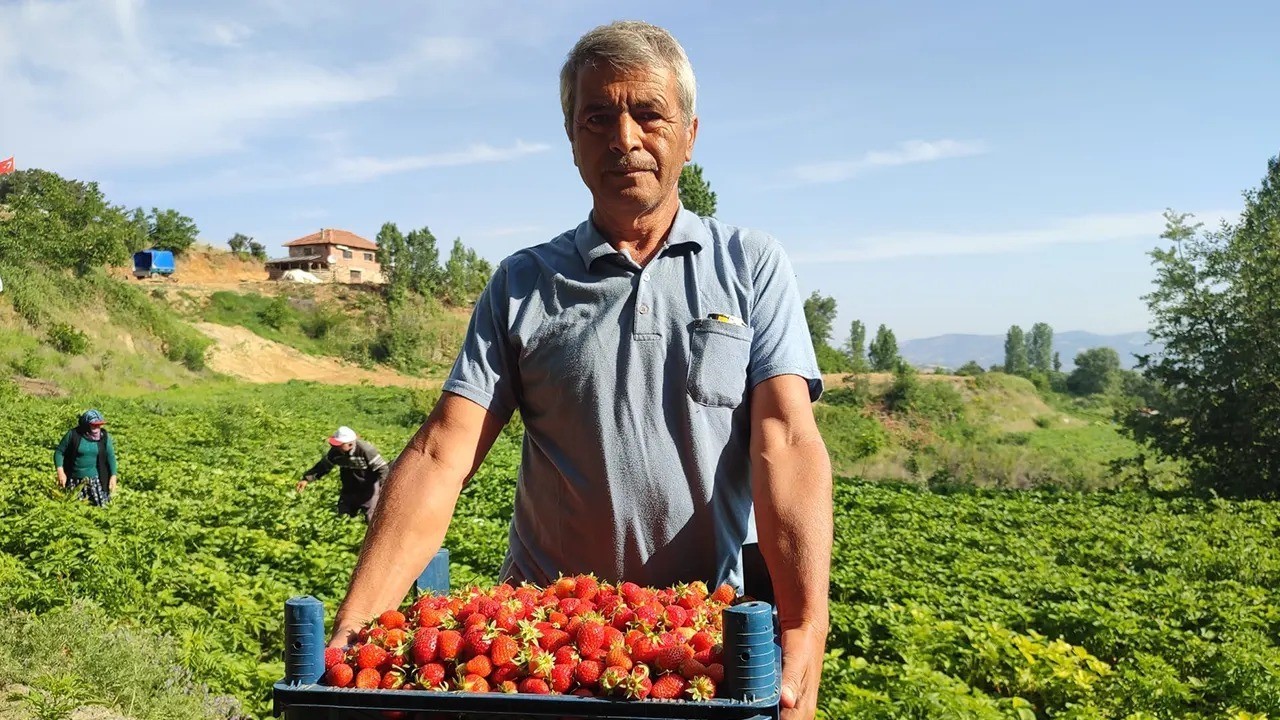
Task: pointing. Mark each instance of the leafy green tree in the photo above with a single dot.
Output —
(465, 274)
(1057, 363)
(393, 257)
(883, 352)
(1216, 313)
(239, 243)
(171, 230)
(1040, 348)
(856, 348)
(819, 314)
(1015, 352)
(422, 262)
(971, 368)
(257, 250)
(1096, 371)
(695, 191)
(61, 223)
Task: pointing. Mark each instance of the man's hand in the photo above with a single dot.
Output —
(62, 478)
(111, 484)
(302, 484)
(802, 652)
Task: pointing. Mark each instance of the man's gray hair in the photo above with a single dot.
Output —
(629, 45)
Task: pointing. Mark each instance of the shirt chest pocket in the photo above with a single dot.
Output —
(719, 353)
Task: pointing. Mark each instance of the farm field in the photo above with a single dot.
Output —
(955, 602)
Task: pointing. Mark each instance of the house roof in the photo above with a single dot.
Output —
(297, 258)
(331, 236)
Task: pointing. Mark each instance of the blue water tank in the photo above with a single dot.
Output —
(153, 262)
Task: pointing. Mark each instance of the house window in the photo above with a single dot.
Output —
(355, 276)
(346, 254)
(368, 257)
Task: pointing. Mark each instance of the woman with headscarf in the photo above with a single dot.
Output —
(85, 457)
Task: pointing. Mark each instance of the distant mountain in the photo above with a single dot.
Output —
(952, 351)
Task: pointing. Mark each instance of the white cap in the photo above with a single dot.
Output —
(342, 436)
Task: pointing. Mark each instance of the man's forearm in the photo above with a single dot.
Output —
(792, 490)
(407, 529)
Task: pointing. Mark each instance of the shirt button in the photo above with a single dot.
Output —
(644, 279)
(643, 309)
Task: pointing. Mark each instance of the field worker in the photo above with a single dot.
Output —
(664, 372)
(85, 456)
(362, 470)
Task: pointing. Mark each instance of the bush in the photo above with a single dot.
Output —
(277, 314)
(67, 339)
(831, 360)
(317, 323)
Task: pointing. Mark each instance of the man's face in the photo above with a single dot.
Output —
(346, 447)
(629, 137)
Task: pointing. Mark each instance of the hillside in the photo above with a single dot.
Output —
(954, 350)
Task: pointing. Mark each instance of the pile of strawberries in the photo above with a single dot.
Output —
(576, 637)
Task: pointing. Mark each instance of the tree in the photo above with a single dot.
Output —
(1015, 352)
(971, 368)
(257, 250)
(239, 243)
(1215, 313)
(465, 274)
(819, 315)
(856, 349)
(63, 223)
(392, 256)
(1096, 371)
(884, 351)
(1057, 362)
(171, 230)
(695, 192)
(422, 262)
(1040, 348)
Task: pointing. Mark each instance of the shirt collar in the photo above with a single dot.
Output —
(687, 229)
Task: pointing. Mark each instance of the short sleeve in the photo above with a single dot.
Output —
(484, 371)
(781, 344)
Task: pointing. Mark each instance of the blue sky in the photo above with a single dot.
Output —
(935, 166)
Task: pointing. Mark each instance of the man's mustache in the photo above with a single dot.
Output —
(628, 163)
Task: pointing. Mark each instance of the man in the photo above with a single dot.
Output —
(85, 455)
(664, 372)
(362, 471)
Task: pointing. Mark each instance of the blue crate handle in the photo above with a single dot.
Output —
(435, 578)
(751, 656)
(303, 640)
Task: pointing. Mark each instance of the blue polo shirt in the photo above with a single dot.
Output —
(635, 399)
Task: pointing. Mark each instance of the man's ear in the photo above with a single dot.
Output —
(693, 136)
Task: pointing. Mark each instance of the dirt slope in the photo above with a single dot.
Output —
(240, 353)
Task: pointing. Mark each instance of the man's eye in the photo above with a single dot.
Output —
(648, 117)
(597, 119)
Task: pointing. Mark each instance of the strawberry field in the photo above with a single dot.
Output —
(962, 603)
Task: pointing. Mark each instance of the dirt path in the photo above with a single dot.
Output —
(240, 353)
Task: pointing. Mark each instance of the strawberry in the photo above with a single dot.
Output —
(562, 678)
(368, 679)
(668, 687)
(488, 607)
(503, 592)
(558, 619)
(585, 587)
(622, 618)
(612, 680)
(377, 634)
(612, 636)
(527, 595)
(691, 669)
(425, 643)
(552, 639)
(583, 692)
(702, 688)
(507, 619)
(673, 657)
(637, 684)
(475, 684)
(588, 672)
(506, 686)
(591, 640)
(645, 650)
(396, 640)
(693, 595)
(475, 619)
(619, 657)
(391, 619)
(431, 675)
(333, 656)
(569, 606)
(371, 657)
(566, 654)
(480, 666)
(392, 680)
(476, 641)
(564, 586)
(505, 673)
(449, 644)
(675, 616)
(338, 675)
(647, 615)
(724, 594)
(503, 650)
(715, 671)
(535, 686)
(701, 640)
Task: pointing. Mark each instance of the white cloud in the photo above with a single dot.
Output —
(1096, 228)
(363, 169)
(909, 152)
(91, 84)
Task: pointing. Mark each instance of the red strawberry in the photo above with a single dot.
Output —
(634, 594)
(338, 675)
(702, 688)
(673, 657)
(504, 673)
(693, 595)
(371, 657)
(480, 666)
(474, 620)
(701, 640)
(535, 686)
(506, 686)
(368, 679)
(333, 656)
(476, 641)
(588, 672)
(449, 644)
(431, 675)
(562, 678)
(392, 680)
(691, 669)
(541, 664)
(552, 639)
(612, 636)
(619, 657)
(637, 684)
(612, 680)
(715, 671)
(425, 643)
(507, 620)
(566, 654)
(488, 607)
(558, 619)
(475, 684)
(564, 587)
(391, 619)
(668, 687)
(647, 615)
(591, 640)
(724, 594)
(583, 692)
(527, 595)
(396, 639)
(503, 592)
(569, 606)
(645, 650)
(585, 587)
(675, 616)
(622, 618)
(503, 650)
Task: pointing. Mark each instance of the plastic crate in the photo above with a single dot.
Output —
(750, 686)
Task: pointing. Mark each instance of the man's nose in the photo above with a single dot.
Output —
(626, 135)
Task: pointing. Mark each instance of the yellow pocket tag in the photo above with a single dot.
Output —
(731, 319)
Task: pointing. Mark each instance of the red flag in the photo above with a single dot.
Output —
(6, 166)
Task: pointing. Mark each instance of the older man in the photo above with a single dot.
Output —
(662, 367)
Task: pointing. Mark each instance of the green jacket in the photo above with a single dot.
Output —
(86, 458)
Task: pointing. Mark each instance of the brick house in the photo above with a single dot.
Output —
(331, 255)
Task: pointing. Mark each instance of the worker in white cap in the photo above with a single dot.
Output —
(362, 470)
